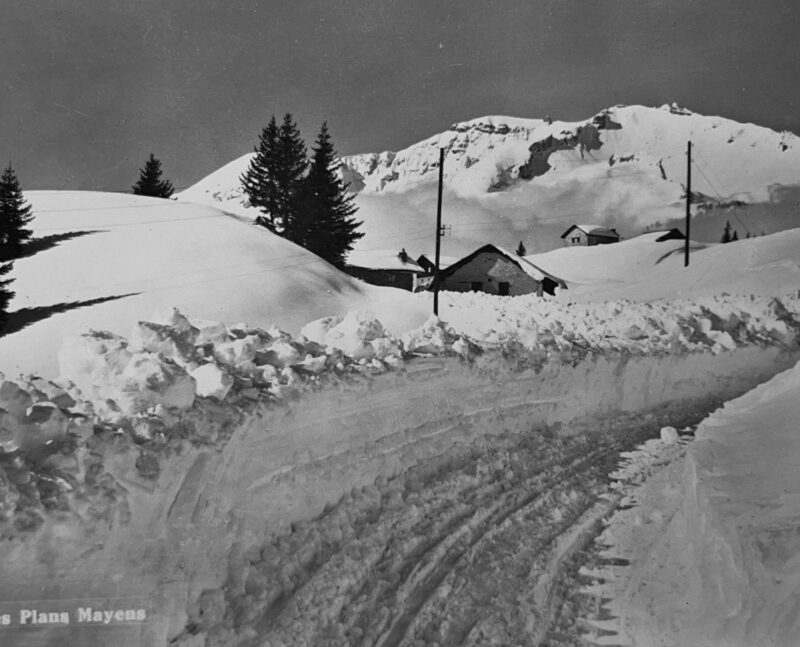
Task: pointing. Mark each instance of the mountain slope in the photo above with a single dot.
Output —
(120, 258)
(508, 179)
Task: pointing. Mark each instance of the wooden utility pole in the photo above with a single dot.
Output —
(688, 202)
(438, 235)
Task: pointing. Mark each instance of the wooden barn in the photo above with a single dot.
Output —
(496, 271)
(387, 268)
(588, 235)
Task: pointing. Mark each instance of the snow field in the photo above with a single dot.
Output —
(127, 258)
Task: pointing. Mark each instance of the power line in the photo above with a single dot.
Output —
(719, 196)
(141, 223)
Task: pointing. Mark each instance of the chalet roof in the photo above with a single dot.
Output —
(594, 230)
(534, 271)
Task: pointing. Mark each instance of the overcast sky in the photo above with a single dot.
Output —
(91, 87)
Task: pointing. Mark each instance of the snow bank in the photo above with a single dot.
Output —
(705, 323)
(742, 514)
(714, 552)
(167, 364)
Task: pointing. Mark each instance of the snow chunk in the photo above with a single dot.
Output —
(433, 337)
(103, 368)
(669, 435)
(354, 335)
(212, 381)
(317, 330)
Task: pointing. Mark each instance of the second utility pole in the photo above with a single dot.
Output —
(688, 201)
(438, 235)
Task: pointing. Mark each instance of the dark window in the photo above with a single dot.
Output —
(576, 239)
(502, 288)
(476, 286)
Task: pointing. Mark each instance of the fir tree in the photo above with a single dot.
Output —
(150, 182)
(5, 294)
(273, 178)
(15, 214)
(291, 165)
(326, 224)
(735, 236)
(521, 251)
(259, 182)
(726, 233)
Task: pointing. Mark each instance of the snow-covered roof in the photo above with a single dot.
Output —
(444, 261)
(594, 230)
(659, 235)
(382, 259)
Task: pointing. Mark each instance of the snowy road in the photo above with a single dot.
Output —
(473, 548)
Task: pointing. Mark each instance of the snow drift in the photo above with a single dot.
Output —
(721, 568)
(119, 258)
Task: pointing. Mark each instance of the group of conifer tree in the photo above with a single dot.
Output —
(728, 237)
(15, 215)
(302, 199)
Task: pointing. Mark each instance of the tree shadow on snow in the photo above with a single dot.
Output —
(16, 321)
(43, 243)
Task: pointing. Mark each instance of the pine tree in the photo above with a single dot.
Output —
(15, 214)
(5, 294)
(521, 251)
(150, 182)
(726, 233)
(326, 224)
(735, 236)
(259, 181)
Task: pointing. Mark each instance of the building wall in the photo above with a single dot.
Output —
(403, 279)
(576, 238)
(490, 269)
(601, 240)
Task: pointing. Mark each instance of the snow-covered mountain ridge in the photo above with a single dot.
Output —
(491, 153)
(509, 179)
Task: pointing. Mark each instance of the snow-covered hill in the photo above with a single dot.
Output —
(120, 258)
(508, 179)
(642, 269)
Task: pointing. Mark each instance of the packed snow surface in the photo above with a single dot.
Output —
(148, 255)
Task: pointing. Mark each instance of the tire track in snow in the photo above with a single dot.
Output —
(431, 577)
